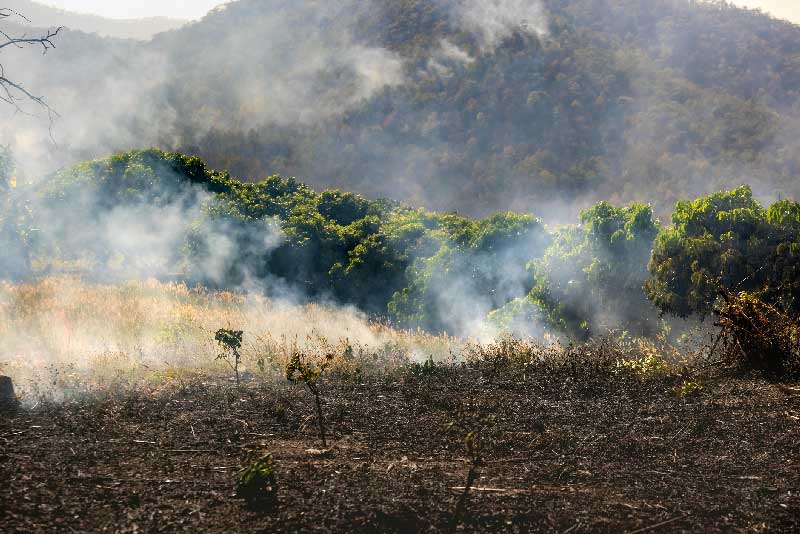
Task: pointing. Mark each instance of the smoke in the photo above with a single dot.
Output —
(63, 338)
(286, 63)
(302, 90)
(272, 63)
(104, 101)
(464, 306)
(493, 21)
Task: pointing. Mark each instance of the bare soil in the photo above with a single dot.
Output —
(573, 448)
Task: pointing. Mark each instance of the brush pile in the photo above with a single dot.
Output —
(758, 336)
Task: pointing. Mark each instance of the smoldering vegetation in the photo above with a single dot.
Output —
(174, 332)
(64, 338)
(172, 218)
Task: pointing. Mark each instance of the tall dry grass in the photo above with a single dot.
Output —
(61, 336)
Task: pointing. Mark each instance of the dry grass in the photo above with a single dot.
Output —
(62, 336)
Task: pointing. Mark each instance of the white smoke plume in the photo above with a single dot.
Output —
(495, 20)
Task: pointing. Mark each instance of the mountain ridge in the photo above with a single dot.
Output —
(39, 14)
(446, 105)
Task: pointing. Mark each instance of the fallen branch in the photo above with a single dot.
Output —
(657, 525)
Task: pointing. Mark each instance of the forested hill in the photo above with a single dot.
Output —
(461, 105)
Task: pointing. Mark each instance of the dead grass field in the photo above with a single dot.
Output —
(578, 439)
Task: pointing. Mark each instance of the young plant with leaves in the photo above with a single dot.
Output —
(231, 343)
(257, 483)
(301, 370)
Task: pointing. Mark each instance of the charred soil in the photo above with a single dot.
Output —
(574, 447)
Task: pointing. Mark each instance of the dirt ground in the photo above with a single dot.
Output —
(570, 449)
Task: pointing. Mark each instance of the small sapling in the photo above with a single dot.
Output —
(300, 370)
(473, 425)
(231, 342)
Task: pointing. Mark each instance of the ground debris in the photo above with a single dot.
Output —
(602, 455)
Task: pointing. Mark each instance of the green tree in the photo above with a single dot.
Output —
(726, 240)
(590, 279)
(479, 266)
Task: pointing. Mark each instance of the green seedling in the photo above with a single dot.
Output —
(473, 447)
(688, 389)
(299, 370)
(231, 342)
(257, 483)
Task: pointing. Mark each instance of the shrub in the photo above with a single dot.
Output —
(688, 389)
(231, 342)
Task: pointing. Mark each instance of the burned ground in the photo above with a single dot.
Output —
(570, 447)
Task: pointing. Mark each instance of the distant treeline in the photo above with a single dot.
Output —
(168, 215)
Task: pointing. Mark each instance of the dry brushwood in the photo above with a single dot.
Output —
(758, 336)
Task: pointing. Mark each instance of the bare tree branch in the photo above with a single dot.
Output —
(14, 93)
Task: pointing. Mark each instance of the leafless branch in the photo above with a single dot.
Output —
(14, 93)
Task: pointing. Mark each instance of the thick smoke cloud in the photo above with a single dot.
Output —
(112, 238)
(286, 63)
(287, 68)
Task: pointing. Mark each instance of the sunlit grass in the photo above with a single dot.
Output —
(61, 336)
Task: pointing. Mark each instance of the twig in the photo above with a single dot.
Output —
(487, 490)
(657, 525)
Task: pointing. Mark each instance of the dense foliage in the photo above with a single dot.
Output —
(590, 279)
(167, 215)
(727, 241)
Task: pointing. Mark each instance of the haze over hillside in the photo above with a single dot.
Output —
(41, 15)
(463, 105)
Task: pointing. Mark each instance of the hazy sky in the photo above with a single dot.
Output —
(193, 9)
(127, 9)
(787, 9)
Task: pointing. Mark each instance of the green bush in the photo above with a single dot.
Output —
(257, 483)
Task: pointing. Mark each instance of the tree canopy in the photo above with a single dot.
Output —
(726, 240)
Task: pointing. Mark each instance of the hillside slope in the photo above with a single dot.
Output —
(450, 104)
